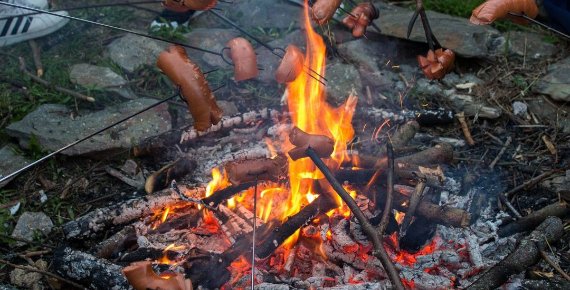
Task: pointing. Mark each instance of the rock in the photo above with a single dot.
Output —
(269, 62)
(556, 83)
(426, 87)
(229, 108)
(53, 127)
(253, 14)
(455, 33)
(466, 81)
(132, 51)
(92, 76)
(28, 279)
(342, 78)
(519, 108)
(31, 223)
(531, 44)
(548, 113)
(11, 161)
(558, 184)
(213, 39)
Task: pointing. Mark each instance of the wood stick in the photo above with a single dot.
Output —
(554, 265)
(88, 270)
(49, 274)
(530, 183)
(36, 53)
(529, 222)
(414, 202)
(389, 190)
(161, 179)
(526, 254)
(47, 84)
(372, 234)
(505, 145)
(122, 177)
(465, 128)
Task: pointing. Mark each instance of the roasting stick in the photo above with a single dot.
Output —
(112, 27)
(253, 233)
(522, 15)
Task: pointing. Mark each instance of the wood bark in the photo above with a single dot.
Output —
(527, 223)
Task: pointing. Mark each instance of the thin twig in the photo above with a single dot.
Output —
(465, 128)
(529, 183)
(505, 145)
(49, 85)
(414, 202)
(52, 275)
(554, 265)
(509, 205)
(36, 54)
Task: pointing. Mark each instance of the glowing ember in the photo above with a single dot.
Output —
(409, 259)
(399, 216)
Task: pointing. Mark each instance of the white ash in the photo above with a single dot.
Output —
(269, 286)
(362, 286)
(423, 280)
(340, 238)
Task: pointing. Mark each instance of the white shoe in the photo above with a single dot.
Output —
(16, 27)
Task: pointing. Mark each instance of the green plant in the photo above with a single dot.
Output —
(460, 8)
(169, 32)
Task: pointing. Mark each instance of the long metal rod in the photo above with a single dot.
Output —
(269, 47)
(4, 178)
(90, 7)
(112, 27)
(541, 24)
(253, 235)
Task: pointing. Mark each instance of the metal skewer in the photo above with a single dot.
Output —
(253, 234)
(112, 27)
(522, 15)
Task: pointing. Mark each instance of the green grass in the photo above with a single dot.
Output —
(461, 8)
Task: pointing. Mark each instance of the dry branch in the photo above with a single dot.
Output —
(36, 54)
(526, 254)
(414, 202)
(465, 128)
(161, 179)
(529, 222)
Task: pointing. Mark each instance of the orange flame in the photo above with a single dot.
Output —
(311, 113)
(219, 181)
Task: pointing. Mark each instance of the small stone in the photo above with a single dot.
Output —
(519, 108)
(29, 279)
(29, 223)
(428, 88)
(90, 76)
(229, 108)
(11, 161)
(43, 196)
(556, 83)
(132, 51)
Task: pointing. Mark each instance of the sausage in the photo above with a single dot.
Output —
(260, 169)
(200, 4)
(363, 14)
(244, 59)
(186, 5)
(291, 65)
(323, 10)
(323, 145)
(187, 75)
(175, 5)
(492, 10)
(141, 276)
(437, 63)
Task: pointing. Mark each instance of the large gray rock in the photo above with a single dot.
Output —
(132, 51)
(11, 161)
(530, 45)
(213, 39)
(31, 223)
(92, 76)
(54, 128)
(455, 33)
(253, 14)
(342, 78)
(556, 83)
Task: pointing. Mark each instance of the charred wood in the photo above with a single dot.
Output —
(111, 246)
(444, 215)
(526, 254)
(529, 222)
(161, 179)
(413, 204)
(545, 284)
(222, 195)
(87, 270)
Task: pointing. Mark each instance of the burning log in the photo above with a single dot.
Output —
(88, 270)
(559, 209)
(526, 254)
(222, 195)
(425, 118)
(161, 179)
(444, 215)
(142, 277)
(256, 169)
(104, 218)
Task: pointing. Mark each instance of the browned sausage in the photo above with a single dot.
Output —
(175, 5)
(260, 169)
(323, 145)
(363, 14)
(200, 4)
(244, 59)
(492, 10)
(291, 65)
(323, 10)
(437, 63)
(187, 75)
(141, 276)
